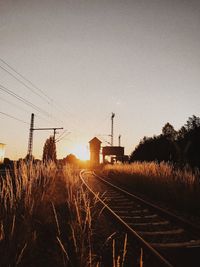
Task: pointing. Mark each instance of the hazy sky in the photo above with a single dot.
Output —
(137, 58)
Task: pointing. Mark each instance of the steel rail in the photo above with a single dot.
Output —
(134, 234)
(184, 223)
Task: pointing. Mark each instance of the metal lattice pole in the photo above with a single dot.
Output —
(30, 141)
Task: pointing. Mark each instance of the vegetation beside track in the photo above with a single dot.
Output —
(48, 219)
(161, 182)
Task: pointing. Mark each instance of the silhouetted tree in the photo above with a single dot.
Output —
(70, 159)
(178, 147)
(192, 123)
(181, 133)
(159, 148)
(49, 150)
(169, 132)
(189, 141)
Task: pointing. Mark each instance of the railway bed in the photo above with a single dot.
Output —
(169, 239)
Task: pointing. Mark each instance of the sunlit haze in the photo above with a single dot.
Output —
(81, 152)
(88, 58)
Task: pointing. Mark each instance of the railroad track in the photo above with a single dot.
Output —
(170, 239)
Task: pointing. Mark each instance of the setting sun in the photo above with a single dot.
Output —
(81, 152)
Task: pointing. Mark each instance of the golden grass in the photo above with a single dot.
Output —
(180, 187)
(21, 193)
(36, 198)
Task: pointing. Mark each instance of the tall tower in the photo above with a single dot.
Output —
(30, 141)
(95, 147)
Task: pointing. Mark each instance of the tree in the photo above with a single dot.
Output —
(180, 147)
(192, 123)
(49, 150)
(71, 159)
(169, 132)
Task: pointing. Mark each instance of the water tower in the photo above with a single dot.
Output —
(95, 146)
(2, 152)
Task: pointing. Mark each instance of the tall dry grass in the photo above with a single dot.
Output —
(21, 194)
(161, 181)
(48, 219)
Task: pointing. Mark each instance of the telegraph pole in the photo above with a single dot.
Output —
(112, 118)
(30, 142)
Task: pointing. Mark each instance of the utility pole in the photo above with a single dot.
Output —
(120, 139)
(30, 143)
(112, 118)
(30, 140)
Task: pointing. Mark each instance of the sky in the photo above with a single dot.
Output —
(84, 59)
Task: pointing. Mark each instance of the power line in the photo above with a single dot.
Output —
(31, 83)
(12, 104)
(12, 117)
(43, 96)
(23, 109)
(27, 80)
(28, 103)
(62, 136)
(58, 107)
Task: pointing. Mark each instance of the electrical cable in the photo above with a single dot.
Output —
(27, 80)
(12, 117)
(28, 87)
(28, 103)
(60, 109)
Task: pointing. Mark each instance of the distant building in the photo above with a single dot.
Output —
(115, 152)
(2, 152)
(95, 147)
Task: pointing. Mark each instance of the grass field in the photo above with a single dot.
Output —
(48, 219)
(161, 182)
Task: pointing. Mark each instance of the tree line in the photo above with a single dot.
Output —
(179, 147)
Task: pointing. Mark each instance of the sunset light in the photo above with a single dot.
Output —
(81, 152)
(100, 133)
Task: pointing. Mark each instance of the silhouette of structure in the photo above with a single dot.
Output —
(116, 153)
(119, 138)
(112, 128)
(30, 141)
(95, 147)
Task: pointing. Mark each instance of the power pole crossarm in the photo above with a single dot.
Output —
(46, 129)
(30, 142)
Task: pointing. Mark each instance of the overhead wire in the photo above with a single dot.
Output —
(41, 93)
(23, 83)
(28, 103)
(13, 117)
(62, 136)
(27, 80)
(49, 99)
(13, 105)
(23, 109)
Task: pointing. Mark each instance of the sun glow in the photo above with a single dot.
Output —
(81, 152)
